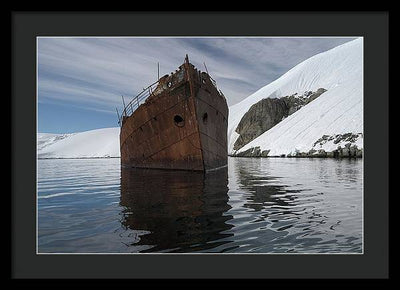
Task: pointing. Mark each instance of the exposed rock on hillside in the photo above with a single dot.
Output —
(339, 110)
(268, 112)
(336, 146)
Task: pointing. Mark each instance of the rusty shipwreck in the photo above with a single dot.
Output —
(179, 122)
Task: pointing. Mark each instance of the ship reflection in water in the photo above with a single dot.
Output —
(256, 205)
(177, 211)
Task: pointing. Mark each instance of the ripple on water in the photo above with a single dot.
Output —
(271, 205)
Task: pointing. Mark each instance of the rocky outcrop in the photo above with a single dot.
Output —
(261, 116)
(268, 112)
(338, 138)
(253, 152)
(295, 101)
(344, 147)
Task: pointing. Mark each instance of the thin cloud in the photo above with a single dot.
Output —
(95, 72)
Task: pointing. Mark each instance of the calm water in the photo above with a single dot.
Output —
(269, 205)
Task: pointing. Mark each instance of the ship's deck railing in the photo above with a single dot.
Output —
(141, 98)
(213, 81)
(137, 101)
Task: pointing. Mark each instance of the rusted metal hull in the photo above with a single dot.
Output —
(181, 126)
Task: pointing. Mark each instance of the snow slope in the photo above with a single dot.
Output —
(337, 111)
(46, 139)
(89, 144)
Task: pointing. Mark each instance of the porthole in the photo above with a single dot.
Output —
(205, 118)
(179, 121)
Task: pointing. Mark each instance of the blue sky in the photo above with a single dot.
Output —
(81, 80)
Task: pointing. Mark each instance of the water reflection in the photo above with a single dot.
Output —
(178, 211)
(273, 205)
(263, 188)
(296, 205)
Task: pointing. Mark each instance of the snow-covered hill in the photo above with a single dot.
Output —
(89, 144)
(46, 139)
(336, 112)
(333, 119)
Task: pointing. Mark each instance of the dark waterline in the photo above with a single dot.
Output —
(253, 206)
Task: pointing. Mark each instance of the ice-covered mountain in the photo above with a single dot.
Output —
(333, 119)
(46, 139)
(90, 144)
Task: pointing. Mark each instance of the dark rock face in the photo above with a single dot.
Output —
(348, 151)
(253, 152)
(347, 148)
(259, 118)
(268, 112)
(295, 101)
(347, 137)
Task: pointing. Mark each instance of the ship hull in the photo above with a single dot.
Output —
(182, 128)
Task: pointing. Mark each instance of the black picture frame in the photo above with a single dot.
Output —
(373, 26)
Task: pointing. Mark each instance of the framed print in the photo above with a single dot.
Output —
(227, 147)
